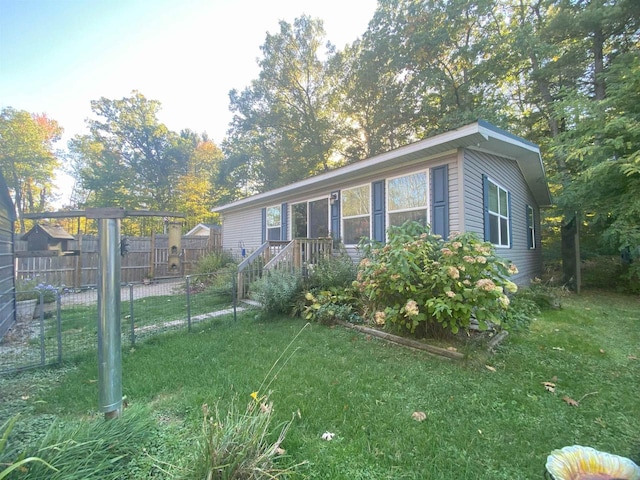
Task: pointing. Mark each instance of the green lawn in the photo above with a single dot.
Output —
(480, 423)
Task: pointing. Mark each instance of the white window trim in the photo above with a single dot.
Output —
(506, 217)
(342, 217)
(279, 208)
(413, 209)
(531, 229)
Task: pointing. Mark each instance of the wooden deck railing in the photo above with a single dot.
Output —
(250, 269)
(289, 256)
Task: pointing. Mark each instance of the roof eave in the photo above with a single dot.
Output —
(437, 145)
(480, 135)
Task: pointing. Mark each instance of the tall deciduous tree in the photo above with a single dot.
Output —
(284, 124)
(27, 158)
(129, 159)
(196, 192)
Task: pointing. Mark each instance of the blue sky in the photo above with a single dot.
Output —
(58, 55)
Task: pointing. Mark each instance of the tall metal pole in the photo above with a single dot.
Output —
(109, 341)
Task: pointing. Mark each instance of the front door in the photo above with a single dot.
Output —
(311, 219)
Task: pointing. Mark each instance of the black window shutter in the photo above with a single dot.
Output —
(335, 216)
(440, 201)
(283, 221)
(485, 196)
(378, 211)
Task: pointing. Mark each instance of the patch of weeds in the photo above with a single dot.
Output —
(277, 291)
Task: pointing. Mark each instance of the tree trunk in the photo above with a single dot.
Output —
(598, 65)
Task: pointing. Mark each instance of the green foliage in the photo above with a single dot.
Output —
(27, 159)
(332, 271)
(238, 445)
(214, 261)
(221, 283)
(284, 126)
(129, 159)
(32, 288)
(418, 281)
(544, 295)
(94, 449)
(277, 291)
(327, 306)
(341, 382)
(20, 464)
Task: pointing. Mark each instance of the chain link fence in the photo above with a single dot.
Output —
(49, 332)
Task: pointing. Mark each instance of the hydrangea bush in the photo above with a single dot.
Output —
(422, 283)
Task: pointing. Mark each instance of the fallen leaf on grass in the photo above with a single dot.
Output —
(632, 357)
(570, 401)
(549, 387)
(490, 368)
(419, 416)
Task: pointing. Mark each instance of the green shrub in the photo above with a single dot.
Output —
(214, 261)
(277, 291)
(327, 306)
(545, 295)
(423, 284)
(221, 283)
(332, 271)
(32, 288)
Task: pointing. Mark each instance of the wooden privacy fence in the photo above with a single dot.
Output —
(147, 257)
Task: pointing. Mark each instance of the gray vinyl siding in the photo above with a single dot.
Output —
(7, 305)
(244, 224)
(242, 228)
(505, 173)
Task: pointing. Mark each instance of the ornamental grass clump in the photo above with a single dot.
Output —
(426, 285)
(239, 444)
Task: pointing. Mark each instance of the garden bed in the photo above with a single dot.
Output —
(449, 353)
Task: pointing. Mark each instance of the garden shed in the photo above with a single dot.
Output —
(203, 230)
(7, 218)
(44, 237)
(477, 178)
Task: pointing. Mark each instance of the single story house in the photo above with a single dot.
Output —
(477, 178)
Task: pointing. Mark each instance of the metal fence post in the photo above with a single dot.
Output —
(234, 288)
(188, 288)
(59, 324)
(131, 319)
(41, 310)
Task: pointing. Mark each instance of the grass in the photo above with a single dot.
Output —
(479, 423)
(79, 326)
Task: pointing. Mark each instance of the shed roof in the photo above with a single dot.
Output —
(480, 135)
(202, 226)
(55, 232)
